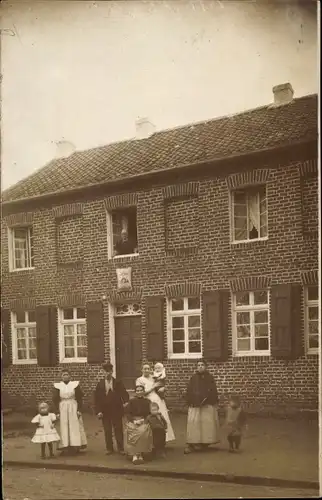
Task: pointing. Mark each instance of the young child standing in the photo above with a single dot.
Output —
(159, 429)
(45, 432)
(235, 423)
(159, 376)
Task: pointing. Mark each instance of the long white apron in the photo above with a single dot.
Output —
(72, 431)
(203, 425)
(147, 383)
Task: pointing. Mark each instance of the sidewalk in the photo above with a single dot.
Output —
(283, 450)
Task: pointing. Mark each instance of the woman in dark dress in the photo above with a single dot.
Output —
(138, 433)
(202, 399)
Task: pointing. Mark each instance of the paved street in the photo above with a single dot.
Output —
(33, 484)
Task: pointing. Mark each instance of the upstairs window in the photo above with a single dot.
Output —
(311, 295)
(24, 339)
(249, 214)
(123, 233)
(21, 250)
(72, 335)
(185, 328)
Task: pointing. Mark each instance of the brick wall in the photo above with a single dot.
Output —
(310, 200)
(70, 240)
(182, 224)
(263, 381)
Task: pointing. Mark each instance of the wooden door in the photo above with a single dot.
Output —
(128, 343)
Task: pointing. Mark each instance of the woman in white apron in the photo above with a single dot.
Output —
(67, 401)
(147, 381)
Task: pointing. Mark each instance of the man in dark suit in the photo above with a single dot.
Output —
(110, 398)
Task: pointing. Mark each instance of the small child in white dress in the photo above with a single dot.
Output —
(46, 431)
(159, 376)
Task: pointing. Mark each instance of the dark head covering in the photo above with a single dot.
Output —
(107, 367)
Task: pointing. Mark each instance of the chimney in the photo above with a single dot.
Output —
(283, 94)
(64, 149)
(144, 128)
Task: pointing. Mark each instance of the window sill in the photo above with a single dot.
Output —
(313, 352)
(24, 361)
(248, 242)
(185, 356)
(251, 354)
(72, 360)
(22, 269)
(127, 256)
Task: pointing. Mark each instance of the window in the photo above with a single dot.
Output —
(21, 250)
(251, 323)
(72, 335)
(123, 232)
(185, 328)
(311, 294)
(24, 339)
(249, 214)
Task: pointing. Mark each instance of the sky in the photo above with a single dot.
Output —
(84, 71)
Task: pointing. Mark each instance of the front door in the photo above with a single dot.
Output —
(128, 344)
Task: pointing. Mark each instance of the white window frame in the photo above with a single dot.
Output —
(11, 248)
(232, 215)
(251, 309)
(110, 246)
(185, 313)
(307, 304)
(14, 339)
(61, 322)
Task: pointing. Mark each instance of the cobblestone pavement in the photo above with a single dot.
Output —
(272, 448)
(33, 484)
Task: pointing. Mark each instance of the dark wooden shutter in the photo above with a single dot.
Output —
(95, 332)
(286, 324)
(53, 323)
(154, 310)
(215, 325)
(6, 338)
(46, 325)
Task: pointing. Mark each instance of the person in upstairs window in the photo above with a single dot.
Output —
(202, 399)
(110, 398)
(67, 401)
(125, 245)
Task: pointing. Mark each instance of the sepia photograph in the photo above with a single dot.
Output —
(160, 249)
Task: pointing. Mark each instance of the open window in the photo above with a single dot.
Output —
(249, 214)
(123, 233)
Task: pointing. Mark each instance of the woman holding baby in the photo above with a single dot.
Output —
(154, 386)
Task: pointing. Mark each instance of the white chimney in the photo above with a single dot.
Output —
(283, 94)
(64, 149)
(144, 128)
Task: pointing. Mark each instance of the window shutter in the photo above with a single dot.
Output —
(155, 328)
(43, 335)
(215, 325)
(286, 341)
(95, 332)
(6, 338)
(53, 321)
(297, 321)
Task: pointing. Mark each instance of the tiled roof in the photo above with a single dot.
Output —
(251, 131)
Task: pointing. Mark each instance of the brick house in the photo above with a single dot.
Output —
(222, 219)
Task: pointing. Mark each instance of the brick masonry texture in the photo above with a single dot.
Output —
(283, 257)
(70, 240)
(310, 204)
(182, 224)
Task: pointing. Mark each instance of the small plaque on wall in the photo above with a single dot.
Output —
(124, 279)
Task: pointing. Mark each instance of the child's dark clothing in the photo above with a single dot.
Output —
(159, 428)
(235, 423)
